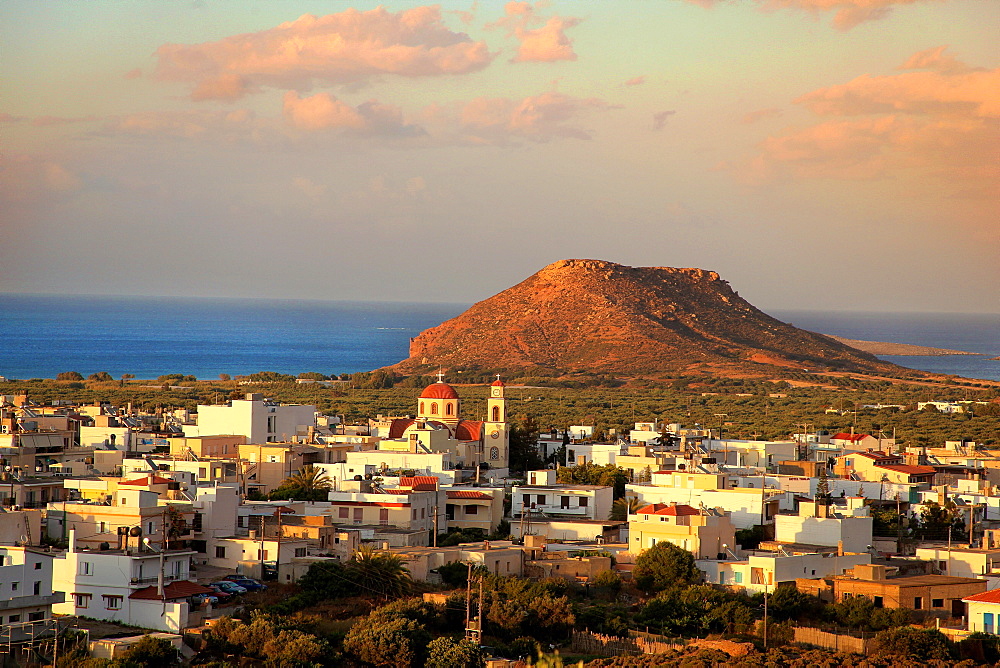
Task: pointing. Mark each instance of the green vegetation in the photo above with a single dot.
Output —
(309, 484)
(665, 566)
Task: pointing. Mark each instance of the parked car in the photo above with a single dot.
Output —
(203, 599)
(220, 593)
(247, 583)
(230, 587)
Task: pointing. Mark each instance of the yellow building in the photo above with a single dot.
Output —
(703, 532)
(220, 446)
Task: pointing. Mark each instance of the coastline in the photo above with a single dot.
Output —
(900, 349)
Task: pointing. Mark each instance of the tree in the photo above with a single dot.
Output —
(69, 375)
(149, 652)
(225, 377)
(621, 508)
(101, 376)
(271, 638)
(524, 445)
(313, 375)
(936, 520)
(309, 484)
(910, 643)
(823, 487)
(663, 566)
(379, 573)
(397, 642)
(590, 473)
(446, 652)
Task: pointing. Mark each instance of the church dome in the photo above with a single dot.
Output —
(439, 390)
(497, 383)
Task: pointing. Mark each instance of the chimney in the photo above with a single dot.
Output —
(840, 548)
(72, 539)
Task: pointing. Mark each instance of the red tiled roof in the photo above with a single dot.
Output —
(666, 509)
(439, 390)
(178, 589)
(469, 430)
(907, 468)
(467, 494)
(140, 482)
(992, 596)
(845, 436)
(419, 483)
(398, 426)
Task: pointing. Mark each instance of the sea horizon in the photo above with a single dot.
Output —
(148, 336)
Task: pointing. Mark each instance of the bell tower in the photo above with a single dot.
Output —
(497, 441)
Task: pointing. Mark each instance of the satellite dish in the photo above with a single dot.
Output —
(135, 532)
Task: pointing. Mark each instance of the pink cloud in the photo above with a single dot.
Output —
(325, 112)
(759, 115)
(349, 47)
(46, 121)
(132, 74)
(636, 81)
(190, 124)
(537, 118)
(8, 118)
(849, 13)
(943, 123)
(545, 44)
(227, 87)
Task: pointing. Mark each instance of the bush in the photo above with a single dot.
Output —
(663, 566)
(913, 644)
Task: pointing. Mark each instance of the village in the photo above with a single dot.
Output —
(162, 521)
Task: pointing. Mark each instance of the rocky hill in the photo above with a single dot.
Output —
(602, 317)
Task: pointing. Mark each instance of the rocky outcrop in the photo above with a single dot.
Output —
(602, 317)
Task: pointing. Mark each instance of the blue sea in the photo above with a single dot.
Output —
(42, 335)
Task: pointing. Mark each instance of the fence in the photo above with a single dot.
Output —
(637, 643)
(834, 641)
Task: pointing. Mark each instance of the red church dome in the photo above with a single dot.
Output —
(497, 383)
(439, 390)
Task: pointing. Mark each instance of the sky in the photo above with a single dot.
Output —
(818, 154)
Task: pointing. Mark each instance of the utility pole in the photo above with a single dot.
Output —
(468, 599)
(765, 617)
(277, 557)
(479, 624)
(435, 519)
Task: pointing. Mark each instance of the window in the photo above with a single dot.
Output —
(13, 619)
(112, 602)
(583, 502)
(38, 565)
(449, 409)
(272, 459)
(220, 552)
(937, 602)
(540, 499)
(525, 500)
(564, 502)
(878, 601)
(202, 472)
(918, 603)
(81, 600)
(344, 512)
(359, 514)
(102, 527)
(14, 586)
(739, 577)
(414, 514)
(423, 513)
(36, 616)
(300, 552)
(434, 408)
(472, 510)
(150, 528)
(272, 422)
(496, 414)
(383, 516)
(85, 568)
(494, 453)
(36, 589)
(571, 455)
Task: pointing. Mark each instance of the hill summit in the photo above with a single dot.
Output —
(601, 317)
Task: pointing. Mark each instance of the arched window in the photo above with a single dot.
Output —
(496, 413)
(421, 407)
(494, 453)
(434, 408)
(449, 409)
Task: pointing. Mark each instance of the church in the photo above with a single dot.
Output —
(440, 427)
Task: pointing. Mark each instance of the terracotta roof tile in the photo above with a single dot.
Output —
(174, 590)
(665, 509)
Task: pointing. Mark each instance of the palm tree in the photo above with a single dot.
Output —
(309, 484)
(622, 507)
(379, 573)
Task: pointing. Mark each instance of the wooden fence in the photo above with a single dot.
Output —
(835, 641)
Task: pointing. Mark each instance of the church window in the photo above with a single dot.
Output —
(449, 409)
(496, 413)
(494, 453)
(421, 407)
(434, 408)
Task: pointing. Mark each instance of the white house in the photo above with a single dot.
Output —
(822, 524)
(260, 420)
(136, 586)
(763, 571)
(600, 454)
(26, 595)
(543, 498)
(748, 506)
(983, 611)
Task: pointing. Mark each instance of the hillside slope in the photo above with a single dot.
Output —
(602, 317)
